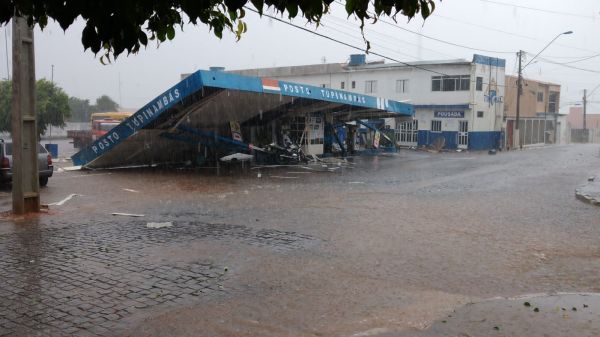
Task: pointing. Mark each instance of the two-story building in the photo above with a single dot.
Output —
(458, 102)
(538, 112)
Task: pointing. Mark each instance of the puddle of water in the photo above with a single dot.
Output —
(562, 314)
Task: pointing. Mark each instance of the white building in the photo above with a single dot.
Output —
(460, 101)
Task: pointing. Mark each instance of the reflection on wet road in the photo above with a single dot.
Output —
(379, 245)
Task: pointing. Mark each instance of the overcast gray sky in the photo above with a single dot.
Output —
(498, 26)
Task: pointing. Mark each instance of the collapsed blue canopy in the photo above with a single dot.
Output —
(206, 99)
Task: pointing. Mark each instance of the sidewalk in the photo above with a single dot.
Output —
(590, 192)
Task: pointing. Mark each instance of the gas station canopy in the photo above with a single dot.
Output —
(164, 130)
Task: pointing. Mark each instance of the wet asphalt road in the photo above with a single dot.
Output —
(383, 245)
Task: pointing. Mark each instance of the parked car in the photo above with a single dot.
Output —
(45, 166)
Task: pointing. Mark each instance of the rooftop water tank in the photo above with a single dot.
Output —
(357, 59)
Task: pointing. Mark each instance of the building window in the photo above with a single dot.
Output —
(436, 126)
(540, 96)
(451, 83)
(480, 114)
(342, 85)
(436, 83)
(479, 84)
(401, 86)
(552, 102)
(353, 85)
(370, 87)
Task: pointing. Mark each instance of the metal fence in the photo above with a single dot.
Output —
(585, 136)
(532, 131)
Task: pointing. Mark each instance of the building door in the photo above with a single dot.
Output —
(407, 133)
(463, 134)
(509, 134)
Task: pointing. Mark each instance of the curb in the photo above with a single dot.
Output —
(582, 194)
(586, 198)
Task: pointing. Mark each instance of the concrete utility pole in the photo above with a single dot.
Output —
(516, 136)
(520, 83)
(25, 183)
(584, 109)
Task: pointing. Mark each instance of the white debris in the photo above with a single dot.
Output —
(159, 224)
(60, 203)
(72, 168)
(129, 214)
(130, 190)
(356, 182)
(237, 156)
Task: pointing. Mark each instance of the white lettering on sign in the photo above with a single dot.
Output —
(449, 114)
(142, 117)
(137, 121)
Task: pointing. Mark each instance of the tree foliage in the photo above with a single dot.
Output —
(80, 109)
(115, 26)
(52, 105)
(105, 104)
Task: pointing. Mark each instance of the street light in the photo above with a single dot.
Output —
(520, 86)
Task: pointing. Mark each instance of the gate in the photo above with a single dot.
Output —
(463, 134)
(407, 133)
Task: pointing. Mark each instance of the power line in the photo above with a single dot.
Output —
(515, 34)
(359, 48)
(327, 26)
(568, 66)
(436, 39)
(389, 37)
(342, 42)
(540, 9)
(580, 60)
(593, 90)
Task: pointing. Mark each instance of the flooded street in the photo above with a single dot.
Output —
(382, 245)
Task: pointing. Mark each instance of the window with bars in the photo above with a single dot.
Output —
(436, 126)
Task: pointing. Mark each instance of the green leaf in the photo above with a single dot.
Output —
(170, 32)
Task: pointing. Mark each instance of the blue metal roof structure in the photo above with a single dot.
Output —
(206, 99)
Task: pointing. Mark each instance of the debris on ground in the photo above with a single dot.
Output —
(128, 214)
(130, 190)
(60, 203)
(159, 224)
(72, 168)
(237, 157)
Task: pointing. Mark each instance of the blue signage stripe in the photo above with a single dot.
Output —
(138, 120)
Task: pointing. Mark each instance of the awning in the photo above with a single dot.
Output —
(206, 100)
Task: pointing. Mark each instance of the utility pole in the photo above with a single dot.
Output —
(584, 108)
(516, 135)
(51, 81)
(25, 183)
(520, 84)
